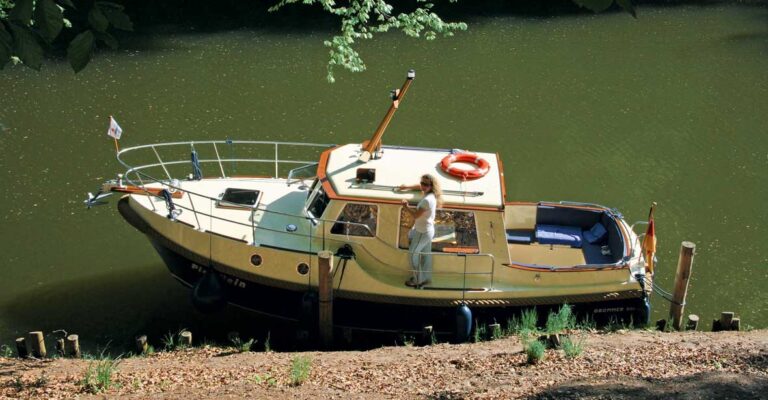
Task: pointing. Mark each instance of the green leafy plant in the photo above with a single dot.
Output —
(361, 19)
(265, 378)
(535, 351)
(6, 351)
(32, 26)
(98, 375)
(300, 369)
(572, 348)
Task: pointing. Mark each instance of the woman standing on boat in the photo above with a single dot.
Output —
(423, 229)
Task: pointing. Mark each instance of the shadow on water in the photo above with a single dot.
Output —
(155, 20)
(111, 310)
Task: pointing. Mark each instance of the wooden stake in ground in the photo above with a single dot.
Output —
(684, 265)
(141, 344)
(21, 347)
(60, 347)
(325, 288)
(73, 346)
(186, 338)
(693, 322)
(36, 343)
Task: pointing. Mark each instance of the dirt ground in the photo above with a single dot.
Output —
(622, 365)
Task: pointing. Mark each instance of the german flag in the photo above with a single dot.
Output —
(649, 241)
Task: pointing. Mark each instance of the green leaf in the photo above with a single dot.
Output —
(26, 46)
(67, 3)
(6, 44)
(108, 4)
(594, 5)
(98, 20)
(48, 19)
(107, 39)
(118, 18)
(627, 6)
(80, 49)
(21, 12)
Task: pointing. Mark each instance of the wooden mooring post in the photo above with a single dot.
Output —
(185, 337)
(36, 344)
(60, 347)
(325, 297)
(683, 274)
(72, 346)
(727, 322)
(21, 347)
(141, 344)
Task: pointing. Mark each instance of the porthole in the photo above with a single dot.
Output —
(302, 268)
(256, 260)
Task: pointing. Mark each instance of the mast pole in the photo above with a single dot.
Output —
(370, 146)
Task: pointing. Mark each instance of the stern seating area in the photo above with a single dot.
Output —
(594, 232)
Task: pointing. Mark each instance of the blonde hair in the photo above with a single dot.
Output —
(434, 188)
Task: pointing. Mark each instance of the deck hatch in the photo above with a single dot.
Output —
(234, 197)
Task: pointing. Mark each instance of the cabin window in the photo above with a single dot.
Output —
(318, 204)
(455, 231)
(354, 219)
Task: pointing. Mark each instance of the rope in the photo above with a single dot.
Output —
(663, 293)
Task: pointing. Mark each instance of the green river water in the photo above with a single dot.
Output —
(671, 107)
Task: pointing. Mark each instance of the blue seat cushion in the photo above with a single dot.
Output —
(559, 234)
(595, 234)
(523, 236)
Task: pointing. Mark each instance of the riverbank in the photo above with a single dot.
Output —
(624, 364)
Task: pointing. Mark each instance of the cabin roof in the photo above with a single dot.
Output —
(405, 165)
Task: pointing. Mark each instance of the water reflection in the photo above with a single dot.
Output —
(112, 309)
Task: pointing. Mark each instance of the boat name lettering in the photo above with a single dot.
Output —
(236, 282)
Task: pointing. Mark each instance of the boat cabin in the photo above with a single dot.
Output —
(360, 203)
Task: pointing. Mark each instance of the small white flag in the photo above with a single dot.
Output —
(114, 129)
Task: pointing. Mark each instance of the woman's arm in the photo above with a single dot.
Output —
(409, 187)
(416, 212)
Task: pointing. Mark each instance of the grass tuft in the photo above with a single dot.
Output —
(561, 320)
(98, 374)
(300, 368)
(572, 348)
(535, 351)
(480, 333)
(529, 320)
(240, 345)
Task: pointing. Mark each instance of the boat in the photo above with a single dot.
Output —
(244, 222)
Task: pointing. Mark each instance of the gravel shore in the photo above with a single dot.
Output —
(624, 364)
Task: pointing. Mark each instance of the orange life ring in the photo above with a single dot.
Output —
(466, 174)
